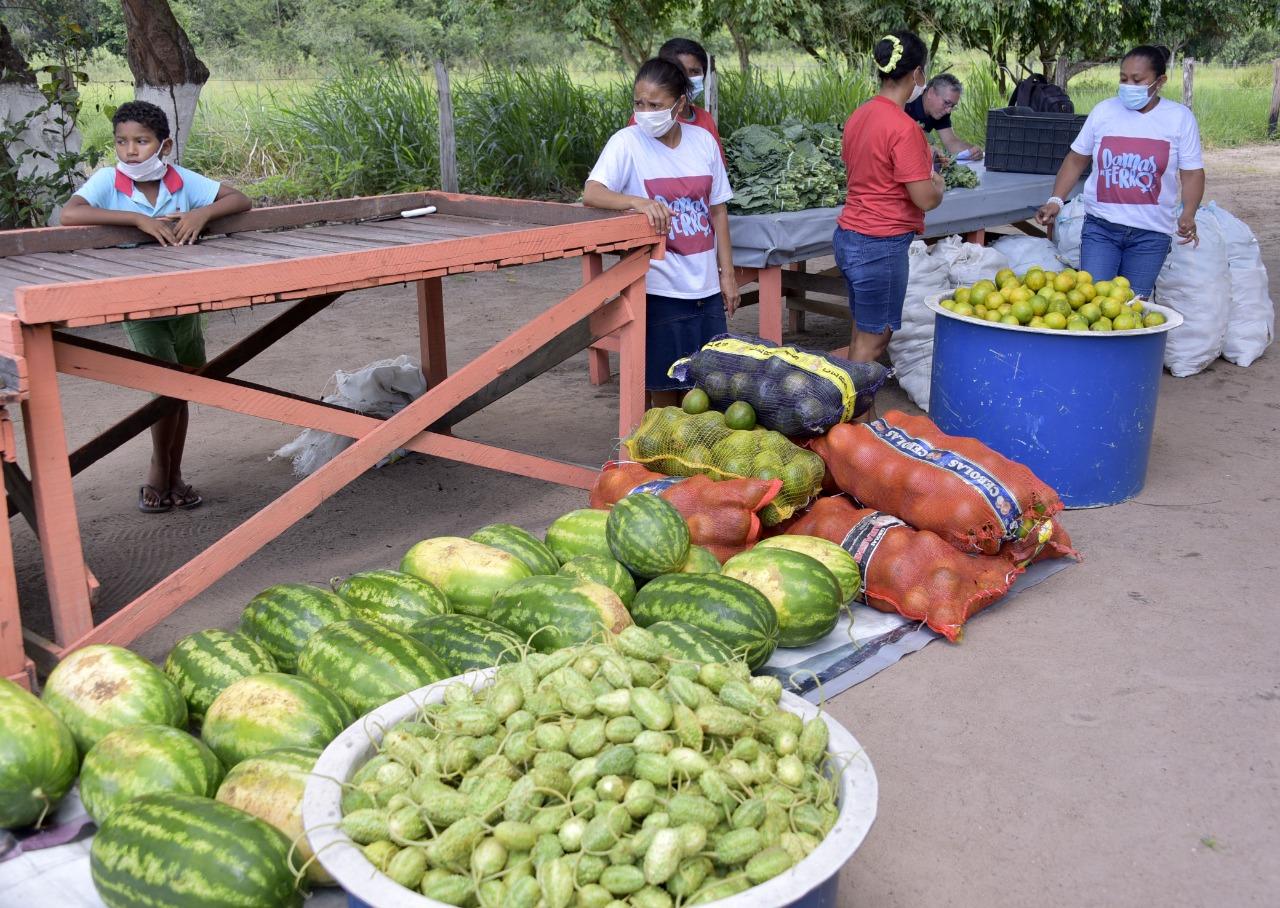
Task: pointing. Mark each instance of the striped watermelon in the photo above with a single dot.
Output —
(283, 617)
(142, 759)
(203, 664)
(577, 533)
(100, 688)
(38, 758)
(464, 642)
(270, 787)
(599, 569)
(688, 643)
(839, 562)
(271, 710)
(524, 545)
(468, 573)
(182, 851)
(700, 561)
(393, 598)
(560, 611)
(803, 592)
(736, 614)
(648, 535)
(367, 664)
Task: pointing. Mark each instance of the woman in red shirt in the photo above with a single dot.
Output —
(891, 185)
(691, 57)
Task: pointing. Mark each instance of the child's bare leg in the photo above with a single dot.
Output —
(156, 490)
(183, 494)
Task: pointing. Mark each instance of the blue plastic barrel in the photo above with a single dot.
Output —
(1078, 408)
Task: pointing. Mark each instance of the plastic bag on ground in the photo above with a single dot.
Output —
(1251, 317)
(1196, 283)
(793, 390)
(915, 573)
(970, 495)
(1066, 232)
(911, 347)
(1027, 252)
(674, 443)
(379, 389)
(722, 516)
(969, 263)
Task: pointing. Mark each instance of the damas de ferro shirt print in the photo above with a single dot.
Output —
(1136, 159)
(688, 179)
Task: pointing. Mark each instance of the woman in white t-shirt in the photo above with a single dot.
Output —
(672, 171)
(1143, 147)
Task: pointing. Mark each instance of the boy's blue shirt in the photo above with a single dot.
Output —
(180, 190)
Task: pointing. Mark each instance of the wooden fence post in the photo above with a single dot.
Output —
(448, 142)
(1188, 79)
(1275, 103)
(711, 92)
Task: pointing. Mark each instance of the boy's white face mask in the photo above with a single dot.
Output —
(153, 168)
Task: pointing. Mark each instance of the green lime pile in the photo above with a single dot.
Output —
(1067, 300)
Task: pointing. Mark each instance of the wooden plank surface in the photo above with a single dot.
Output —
(117, 297)
(511, 211)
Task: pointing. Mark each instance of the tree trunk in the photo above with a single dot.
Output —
(49, 135)
(166, 70)
(934, 45)
(743, 47)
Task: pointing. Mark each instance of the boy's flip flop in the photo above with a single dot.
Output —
(185, 497)
(163, 505)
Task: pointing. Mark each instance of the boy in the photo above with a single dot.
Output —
(173, 205)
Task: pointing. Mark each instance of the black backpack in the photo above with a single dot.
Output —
(1041, 95)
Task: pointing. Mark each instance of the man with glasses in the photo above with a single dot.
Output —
(932, 110)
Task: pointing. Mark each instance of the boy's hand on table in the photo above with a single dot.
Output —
(158, 228)
(189, 225)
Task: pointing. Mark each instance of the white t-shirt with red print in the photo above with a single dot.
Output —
(689, 178)
(1136, 159)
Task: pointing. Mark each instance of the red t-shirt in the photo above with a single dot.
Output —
(883, 149)
(700, 118)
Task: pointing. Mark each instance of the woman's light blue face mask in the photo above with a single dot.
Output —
(697, 85)
(1134, 97)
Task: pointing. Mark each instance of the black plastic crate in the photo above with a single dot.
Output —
(1021, 140)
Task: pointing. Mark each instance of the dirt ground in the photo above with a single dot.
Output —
(1110, 737)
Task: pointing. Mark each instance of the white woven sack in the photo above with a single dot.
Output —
(1066, 232)
(911, 346)
(1251, 318)
(1027, 252)
(969, 263)
(1196, 282)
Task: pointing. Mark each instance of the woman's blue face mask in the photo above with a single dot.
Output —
(1134, 97)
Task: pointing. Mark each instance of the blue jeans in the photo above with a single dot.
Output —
(676, 328)
(876, 269)
(1108, 249)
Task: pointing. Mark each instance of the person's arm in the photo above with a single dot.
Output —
(79, 213)
(188, 226)
(1069, 172)
(1192, 196)
(927, 194)
(724, 258)
(598, 195)
(951, 142)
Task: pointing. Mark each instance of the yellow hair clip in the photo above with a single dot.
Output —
(893, 57)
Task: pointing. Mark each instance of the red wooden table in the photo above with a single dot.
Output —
(310, 255)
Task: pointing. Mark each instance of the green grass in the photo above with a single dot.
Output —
(536, 132)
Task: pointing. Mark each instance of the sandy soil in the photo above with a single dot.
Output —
(1108, 738)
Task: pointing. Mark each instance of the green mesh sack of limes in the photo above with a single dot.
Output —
(675, 443)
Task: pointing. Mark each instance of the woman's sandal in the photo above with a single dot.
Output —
(164, 503)
(185, 497)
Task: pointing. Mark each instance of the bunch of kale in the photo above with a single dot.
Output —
(957, 176)
(790, 167)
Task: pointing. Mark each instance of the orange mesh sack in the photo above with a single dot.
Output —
(915, 573)
(959, 488)
(722, 516)
(1051, 540)
(674, 443)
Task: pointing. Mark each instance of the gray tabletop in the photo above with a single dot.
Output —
(761, 240)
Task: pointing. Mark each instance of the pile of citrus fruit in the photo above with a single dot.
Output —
(1066, 300)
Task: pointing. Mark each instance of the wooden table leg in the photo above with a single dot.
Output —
(977, 237)
(55, 504)
(14, 663)
(597, 354)
(431, 337)
(771, 304)
(631, 357)
(795, 317)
